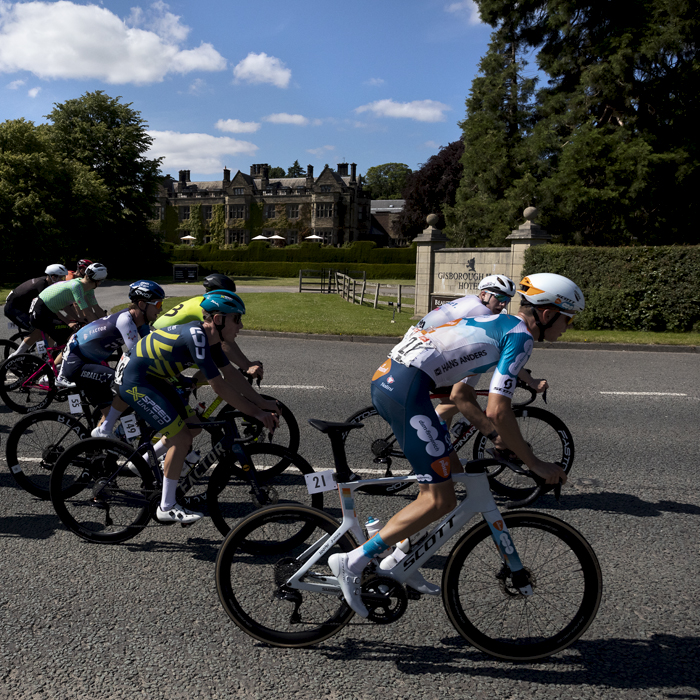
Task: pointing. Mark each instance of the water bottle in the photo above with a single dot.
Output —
(372, 526)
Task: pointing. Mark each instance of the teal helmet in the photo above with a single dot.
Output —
(221, 301)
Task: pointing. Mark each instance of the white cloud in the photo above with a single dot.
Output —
(284, 118)
(235, 126)
(420, 110)
(261, 68)
(202, 153)
(66, 40)
(323, 150)
(34, 92)
(15, 84)
(433, 145)
(466, 9)
(375, 82)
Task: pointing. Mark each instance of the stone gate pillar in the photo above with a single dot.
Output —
(427, 243)
(521, 239)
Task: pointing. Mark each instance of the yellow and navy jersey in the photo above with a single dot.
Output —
(186, 312)
(169, 351)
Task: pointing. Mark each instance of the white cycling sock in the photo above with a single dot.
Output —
(110, 420)
(167, 499)
(160, 448)
(22, 347)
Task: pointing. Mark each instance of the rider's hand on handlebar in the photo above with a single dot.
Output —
(255, 370)
(539, 385)
(269, 420)
(270, 405)
(552, 473)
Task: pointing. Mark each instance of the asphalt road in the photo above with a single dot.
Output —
(142, 619)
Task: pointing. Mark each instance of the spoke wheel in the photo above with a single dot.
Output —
(491, 613)
(27, 383)
(35, 445)
(231, 497)
(96, 496)
(256, 560)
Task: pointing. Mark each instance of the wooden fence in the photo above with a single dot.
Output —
(322, 281)
(359, 291)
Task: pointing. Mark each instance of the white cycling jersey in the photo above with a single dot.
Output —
(465, 307)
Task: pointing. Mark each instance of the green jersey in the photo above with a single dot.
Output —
(186, 312)
(61, 294)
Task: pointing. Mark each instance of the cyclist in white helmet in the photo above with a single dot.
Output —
(19, 302)
(495, 293)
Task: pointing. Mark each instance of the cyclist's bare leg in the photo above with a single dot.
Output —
(179, 446)
(446, 411)
(464, 398)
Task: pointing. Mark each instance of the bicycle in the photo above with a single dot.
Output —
(531, 596)
(547, 435)
(106, 491)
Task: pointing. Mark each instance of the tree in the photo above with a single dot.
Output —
(194, 226)
(296, 170)
(614, 148)
(496, 184)
(48, 204)
(387, 181)
(431, 188)
(110, 138)
(277, 172)
(217, 226)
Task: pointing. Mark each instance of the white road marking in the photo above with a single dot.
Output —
(641, 393)
(289, 386)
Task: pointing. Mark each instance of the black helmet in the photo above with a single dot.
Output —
(218, 281)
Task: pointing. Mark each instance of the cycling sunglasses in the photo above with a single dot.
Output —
(501, 298)
(570, 318)
(236, 318)
(158, 304)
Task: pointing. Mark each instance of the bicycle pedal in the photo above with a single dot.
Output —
(187, 524)
(413, 594)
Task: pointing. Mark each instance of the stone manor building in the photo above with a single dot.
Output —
(333, 205)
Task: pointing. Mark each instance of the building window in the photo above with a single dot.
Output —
(238, 190)
(292, 237)
(236, 211)
(324, 211)
(325, 188)
(184, 213)
(269, 211)
(301, 190)
(236, 235)
(293, 211)
(326, 234)
(206, 211)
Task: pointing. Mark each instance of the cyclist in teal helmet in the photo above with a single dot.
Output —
(167, 352)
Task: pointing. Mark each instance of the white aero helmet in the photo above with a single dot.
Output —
(546, 288)
(498, 284)
(56, 270)
(96, 272)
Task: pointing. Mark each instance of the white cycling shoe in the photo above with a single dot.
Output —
(418, 583)
(350, 583)
(178, 514)
(99, 432)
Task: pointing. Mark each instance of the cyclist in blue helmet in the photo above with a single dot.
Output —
(143, 376)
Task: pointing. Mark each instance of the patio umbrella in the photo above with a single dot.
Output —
(259, 238)
(314, 237)
(188, 238)
(276, 238)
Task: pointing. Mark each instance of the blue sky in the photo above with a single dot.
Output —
(235, 83)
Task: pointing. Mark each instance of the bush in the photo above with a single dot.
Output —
(291, 269)
(633, 288)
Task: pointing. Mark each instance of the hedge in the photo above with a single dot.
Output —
(634, 288)
(358, 252)
(291, 269)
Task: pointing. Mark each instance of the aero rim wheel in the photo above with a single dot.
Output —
(230, 496)
(27, 383)
(549, 439)
(252, 588)
(95, 494)
(36, 443)
(489, 611)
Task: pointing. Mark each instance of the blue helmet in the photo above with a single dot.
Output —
(145, 290)
(221, 301)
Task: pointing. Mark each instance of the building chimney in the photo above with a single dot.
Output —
(309, 176)
(227, 174)
(353, 171)
(343, 169)
(182, 176)
(189, 179)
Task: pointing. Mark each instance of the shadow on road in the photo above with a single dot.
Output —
(618, 503)
(662, 661)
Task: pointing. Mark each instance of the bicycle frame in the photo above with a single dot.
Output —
(478, 500)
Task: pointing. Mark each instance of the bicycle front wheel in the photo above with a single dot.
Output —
(36, 443)
(97, 496)
(256, 560)
(231, 497)
(27, 383)
(491, 613)
(550, 440)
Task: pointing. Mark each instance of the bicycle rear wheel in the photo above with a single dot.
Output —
(7, 347)
(35, 444)
(230, 496)
(255, 561)
(491, 613)
(27, 383)
(549, 439)
(374, 440)
(96, 496)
